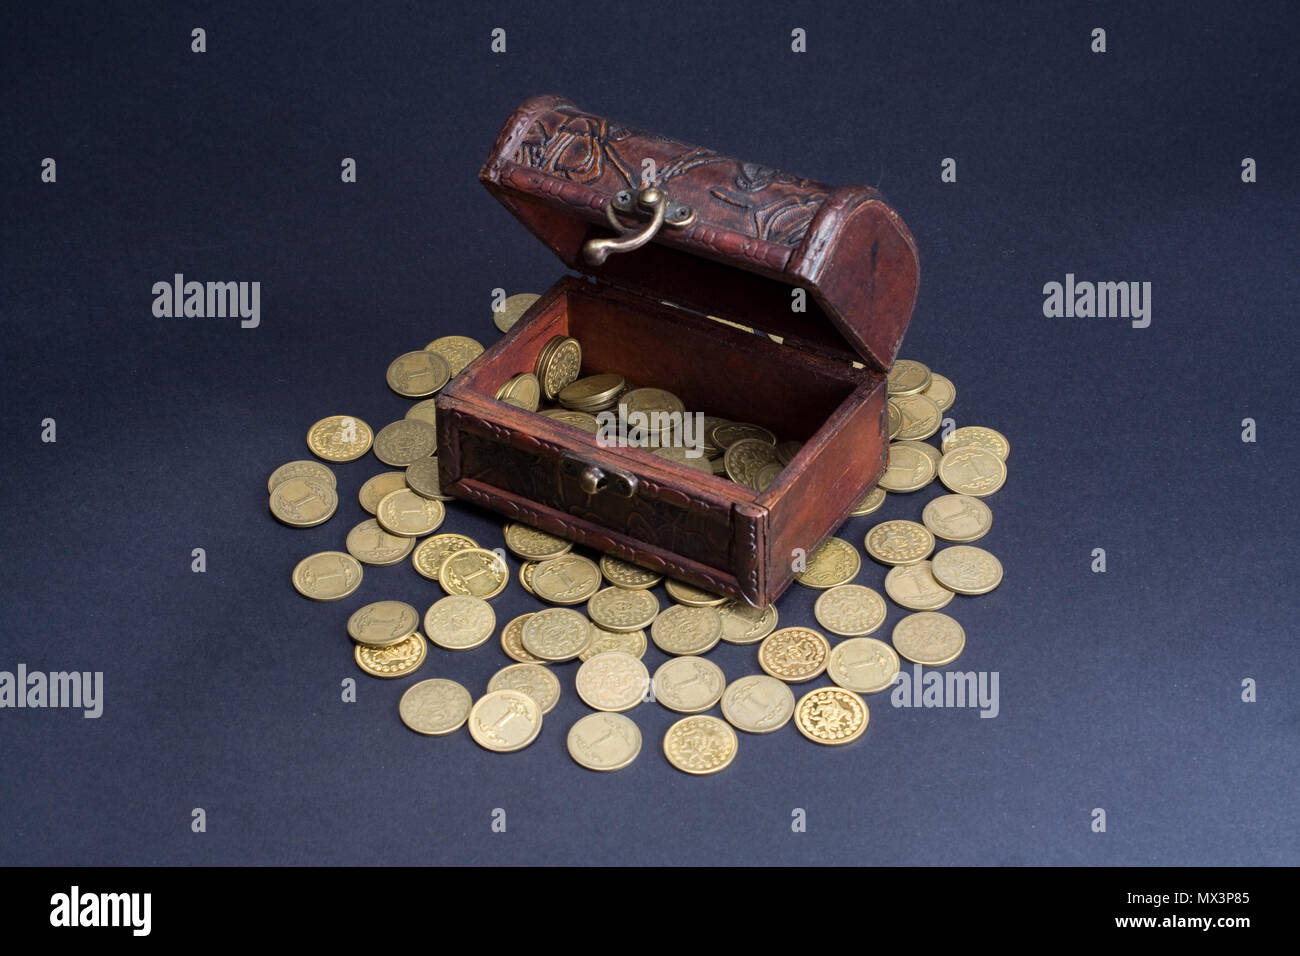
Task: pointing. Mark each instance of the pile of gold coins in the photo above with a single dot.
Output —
(390, 638)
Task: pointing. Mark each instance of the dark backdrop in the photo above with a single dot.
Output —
(1119, 690)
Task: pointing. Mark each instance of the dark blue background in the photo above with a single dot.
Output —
(1118, 690)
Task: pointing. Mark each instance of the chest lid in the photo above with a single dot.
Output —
(717, 235)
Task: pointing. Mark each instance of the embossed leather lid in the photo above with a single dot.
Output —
(757, 232)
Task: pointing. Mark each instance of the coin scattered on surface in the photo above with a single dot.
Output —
(967, 570)
(850, 610)
(392, 660)
(612, 681)
(872, 502)
(794, 654)
(339, 438)
(835, 562)
(408, 515)
(758, 704)
(526, 576)
(383, 623)
(687, 630)
(941, 391)
(689, 685)
(568, 579)
(604, 741)
(435, 707)
(929, 638)
(556, 634)
(373, 491)
(457, 350)
(926, 449)
(700, 744)
(422, 477)
(907, 377)
(742, 624)
(979, 436)
(512, 641)
(622, 609)
(899, 542)
(691, 596)
(914, 587)
(533, 544)
(475, 571)
(504, 721)
(327, 576)
(621, 574)
(629, 642)
(371, 544)
(895, 419)
(512, 309)
(459, 622)
(425, 410)
(921, 417)
(958, 518)
(405, 441)
(428, 557)
(863, 664)
(418, 374)
(909, 469)
(304, 468)
(831, 715)
(535, 680)
(972, 470)
(304, 502)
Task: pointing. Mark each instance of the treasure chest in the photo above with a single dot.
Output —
(750, 294)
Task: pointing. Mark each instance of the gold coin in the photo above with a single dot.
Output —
(512, 641)
(909, 469)
(850, 610)
(831, 715)
(457, 350)
(562, 364)
(612, 681)
(301, 469)
(409, 515)
(621, 574)
(556, 634)
(650, 400)
(835, 562)
(392, 660)
(629, 642)
(941, 391)
(742, 624)
(422, 477)
(583, 420)
(474, 571)
(522, 391)
(435, 707)
(526, 576)
(907, 377)
(327, 576)
(744, 459)
(700, 744)
(512, 309)
(428, 557)
(604, 742)
(568, 579)
(913, 586)
(692, 596)
(863, 664)
(383, 623)
(371, 544)
(987, 438)
(683, 458)
(895, 419)
(459, 622)
(425, 410)
(728, 433)
(687, 630)
(710, 449)
(786, 451)
(794, 654)
(689, 684)
(958, 518)
(621, 609)
(535, 680)
(899, 542)
(405, 441)
(375, 488)
(929, 638)
(758, 704)
(967, 570)
(304, 502)
(872, 502)
(921, 417)
(533, 544)
(972, 470)
(418, 374)
(339, 438)
(592, 394)
(929, 451)
(504, 721)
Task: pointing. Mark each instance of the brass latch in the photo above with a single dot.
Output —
(653, 200)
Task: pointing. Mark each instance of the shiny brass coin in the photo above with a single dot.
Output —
(504, 721)
(457, 350)
(850, 610)
(378, 486)
(863, 664)
(512, 309)
(913, 586)
(563, 364)
(689, 685)
(929, 638)
(921, 417)
(766, 476)
(409, 515)
(692, 596)
(327, 576)
(428, 557)
(612, 681)
(556, 634)
(972, 470)
(700, 744)
(418, 374)
(604, 742)
(710, 448)
(568, 579)
(619, 609)
(907, 377)
(535, 680)
(727, 434)
(978, 435)
(926, 449)
(459, 622)
(872, 502)
(940, 391)
(425, 410)
(522, 391)
(513, 644)
(629, 642)
(758, 704)
(474, 571)
(435, 707)
(301, 469)
(304, 502)
(371, 544)
(794, 654)
(649, 400)
(899, 542)
(831, 716)
(742, 624)
(895, 419)
(745, 457)
(592, 394)
(621, 574)
(786, 451)
(392, 660)
(909, 469)
(967, 570)
(339, 438)
(687, 630)
(422, 477)
(405, 441)
(584, 420)
(958, 518)
(526, 576)
(383, 623)
(533, 544)
(835, 562)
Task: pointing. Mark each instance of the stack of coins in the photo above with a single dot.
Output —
(595, 393)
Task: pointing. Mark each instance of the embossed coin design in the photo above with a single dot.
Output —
(629, 642)
(383, 623)
(568, 579)
(604, 742)
(835, 562)
(921, 417)
(418, 374)
(300, 469)
(422, 477)
(972, 470)
(511, 310)
(459, 622)
(371, 544)
(435, 707)
(327, 576)
(913, 586)
(692, 596)
(457, 350)
(958, 518)
(391, 660)
(535, 680)
(612, 681)
(426, 410)
(689, 685)
(556, 634)
(794, 654)
(408, 515)
(758, 704)
(621, 574)
(831, 715)
(700, 744)
(727, 434)
(742, 624)
(987, 438)
(899, 542)
(929, 638)
(910, 469)
(872, 502)
(744, 459)
(850, 610)
(622, 609)
(304, 502)
(941, 391)
(339, 438)
(474, 571)
(687, 630)
(533, 544)
(967, 570)
(512, 641)
(373, 491)
(504, 721)
(405, 441)
(428, 557)
(863, 664)
(907, 377)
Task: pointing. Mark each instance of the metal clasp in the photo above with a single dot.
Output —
(653, 200)
(593, 480)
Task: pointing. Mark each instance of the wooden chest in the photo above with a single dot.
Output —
(825, 277)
